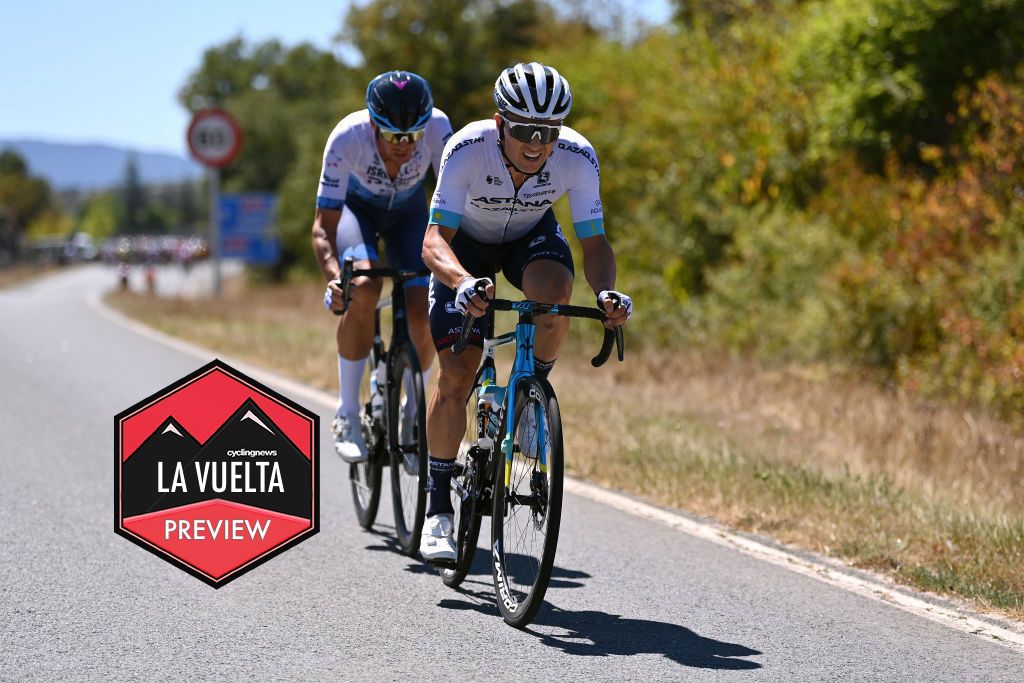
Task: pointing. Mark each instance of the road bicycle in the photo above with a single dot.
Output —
(510, 465)
(393, 418)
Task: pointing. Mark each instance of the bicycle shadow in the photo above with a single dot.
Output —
(590, 633)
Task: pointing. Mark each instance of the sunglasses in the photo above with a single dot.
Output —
(526, 132)
(397, 136)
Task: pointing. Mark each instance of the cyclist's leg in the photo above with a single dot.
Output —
(403, 239)
(446, 412)
(540, 265)
(356, 238)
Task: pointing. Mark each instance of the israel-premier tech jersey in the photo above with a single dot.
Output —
(353, 168)
(475, 193)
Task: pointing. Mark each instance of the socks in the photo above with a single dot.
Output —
(439, 482)
(350, 374)
(543, 367)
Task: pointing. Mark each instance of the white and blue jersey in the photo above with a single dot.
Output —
(475, 193)
(353, 170)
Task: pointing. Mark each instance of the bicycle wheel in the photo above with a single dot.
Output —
(407, 441)
(527, 511)
(467, 480)
(366, 476)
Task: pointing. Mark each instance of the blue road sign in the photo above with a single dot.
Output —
(246, 227)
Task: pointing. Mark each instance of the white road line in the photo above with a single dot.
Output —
(829, 571)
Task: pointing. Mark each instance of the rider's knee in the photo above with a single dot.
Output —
(365, 291)
(456, 377)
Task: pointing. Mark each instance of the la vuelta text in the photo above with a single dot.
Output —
(220, 477)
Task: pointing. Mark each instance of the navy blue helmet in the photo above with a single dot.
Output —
(399, 101)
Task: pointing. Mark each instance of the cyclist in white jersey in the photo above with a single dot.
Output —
(492, 210)
(371, 186)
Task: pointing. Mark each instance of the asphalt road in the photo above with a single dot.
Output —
(630, 598)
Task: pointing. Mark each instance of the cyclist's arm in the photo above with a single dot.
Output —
(598, 263)
(439, 257)
(330, 199)
(325, 233)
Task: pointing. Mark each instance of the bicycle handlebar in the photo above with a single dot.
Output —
(348, 272)
(610, 336)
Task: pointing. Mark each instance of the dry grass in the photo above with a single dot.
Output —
(930, 495)
(23, 272)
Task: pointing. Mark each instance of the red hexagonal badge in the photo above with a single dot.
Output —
(216, 473)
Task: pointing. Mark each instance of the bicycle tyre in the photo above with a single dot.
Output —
(408, 452)
(520, 582)
(468, 518)
(365, 477)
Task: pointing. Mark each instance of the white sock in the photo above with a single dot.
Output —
(350, 374)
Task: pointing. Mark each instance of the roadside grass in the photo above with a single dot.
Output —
(929, 495)
(23, 272)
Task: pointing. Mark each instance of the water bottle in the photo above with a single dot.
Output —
(377, 392)
(489, 406)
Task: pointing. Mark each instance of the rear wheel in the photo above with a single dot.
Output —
(366, 476)
(408, 448)
(527, 510)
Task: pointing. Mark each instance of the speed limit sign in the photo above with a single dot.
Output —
(214, 138)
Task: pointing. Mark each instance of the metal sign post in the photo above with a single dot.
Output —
(215, 140)
(215, 228)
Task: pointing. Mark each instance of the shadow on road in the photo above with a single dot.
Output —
(599, 634)
(589, 633)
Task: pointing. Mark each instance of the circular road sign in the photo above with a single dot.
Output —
(214, 138)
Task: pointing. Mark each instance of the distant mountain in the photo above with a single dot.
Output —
(95, 167)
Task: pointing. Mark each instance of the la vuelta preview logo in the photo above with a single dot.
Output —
(216, 473)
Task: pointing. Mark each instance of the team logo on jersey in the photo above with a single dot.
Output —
(491, 180)
(216, 474)
(450, 307)
(543, 178)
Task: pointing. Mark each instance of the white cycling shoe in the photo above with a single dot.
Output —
(348, 439)
(438, 542)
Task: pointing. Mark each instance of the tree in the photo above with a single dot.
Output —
(23, 198)
(133, 200)
(100, 216)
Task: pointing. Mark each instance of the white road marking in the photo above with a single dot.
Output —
(831, 572)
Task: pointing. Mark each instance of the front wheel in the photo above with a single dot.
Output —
(408, 446)
(527, 504)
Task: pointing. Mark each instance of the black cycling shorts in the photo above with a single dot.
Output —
(545, 241)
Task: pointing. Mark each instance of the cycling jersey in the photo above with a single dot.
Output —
(353, 168)
(475, 193)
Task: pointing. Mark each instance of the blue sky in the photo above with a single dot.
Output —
(108, 71)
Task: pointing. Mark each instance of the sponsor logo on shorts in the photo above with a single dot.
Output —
(538, 240)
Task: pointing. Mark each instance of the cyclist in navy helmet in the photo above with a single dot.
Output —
(371, 187)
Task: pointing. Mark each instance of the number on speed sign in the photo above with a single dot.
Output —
(214, 138)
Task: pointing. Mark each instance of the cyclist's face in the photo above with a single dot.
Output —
(399, 152)
(528, 157)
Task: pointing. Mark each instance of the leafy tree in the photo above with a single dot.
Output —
(133, 200)
(23, 197)
(884, 73)
(100, 216)
(459, 47)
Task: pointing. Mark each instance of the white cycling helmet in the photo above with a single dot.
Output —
(533, 91)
